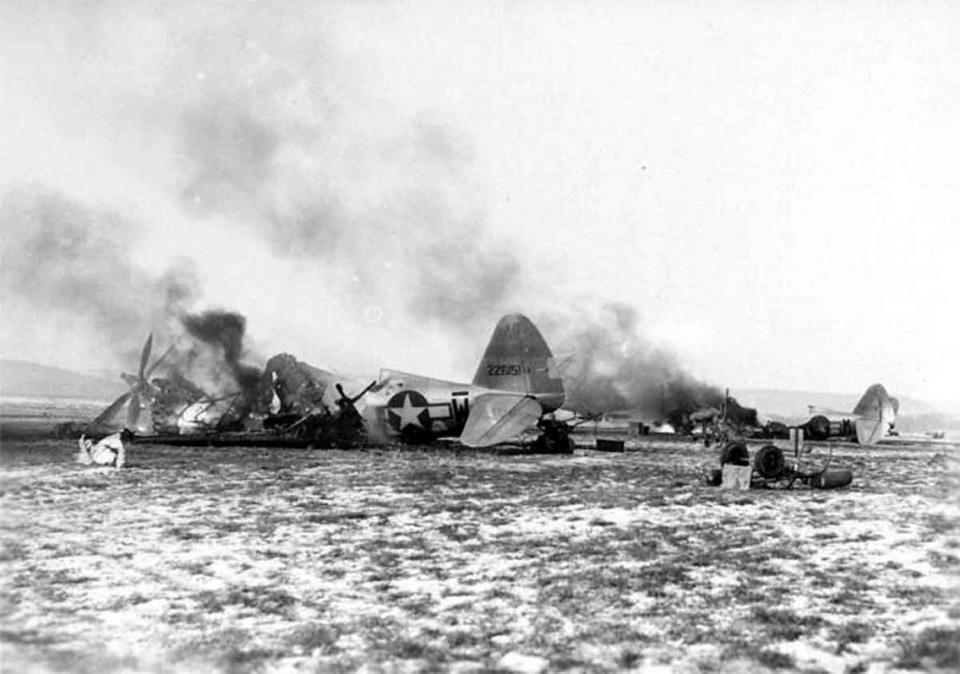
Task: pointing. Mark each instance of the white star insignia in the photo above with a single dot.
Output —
(409, 414)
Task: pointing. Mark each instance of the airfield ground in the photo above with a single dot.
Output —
(242, 560)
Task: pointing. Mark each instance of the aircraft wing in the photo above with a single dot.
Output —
(497, 417)
(827, 412)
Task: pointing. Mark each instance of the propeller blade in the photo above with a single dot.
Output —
(145, 354)
(351, 400)
(133, 412)
(130, 380)
(111, 411)
(162, 358)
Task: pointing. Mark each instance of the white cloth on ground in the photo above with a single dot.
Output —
(108, 452)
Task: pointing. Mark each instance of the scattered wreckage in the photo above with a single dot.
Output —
(771, 467)
(872, 420)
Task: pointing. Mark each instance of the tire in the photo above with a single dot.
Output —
(768, 463)
(735, 453)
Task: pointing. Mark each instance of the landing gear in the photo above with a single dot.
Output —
(414, 435)
(554, 438)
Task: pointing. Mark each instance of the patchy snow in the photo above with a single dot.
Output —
(294, 561)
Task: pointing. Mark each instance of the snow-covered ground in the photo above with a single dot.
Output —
(299, 561)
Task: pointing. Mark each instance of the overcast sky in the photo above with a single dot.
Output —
(772, 186)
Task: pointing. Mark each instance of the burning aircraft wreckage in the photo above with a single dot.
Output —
(517, 388)
(291, 403)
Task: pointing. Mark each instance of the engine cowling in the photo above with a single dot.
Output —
(821, 428)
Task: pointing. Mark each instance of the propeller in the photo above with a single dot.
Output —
(140, 389)
(345, 399)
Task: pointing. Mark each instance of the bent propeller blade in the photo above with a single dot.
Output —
(163, 357)
(111, 411)
(145, 354)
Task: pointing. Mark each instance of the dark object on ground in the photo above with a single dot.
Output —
(604, 445)
(773, 430)
(768, 462)
(735, 453)
(832, 479)
(554, 437)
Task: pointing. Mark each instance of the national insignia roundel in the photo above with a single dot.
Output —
(408, 408)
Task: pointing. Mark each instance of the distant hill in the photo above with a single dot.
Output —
(793, 404)
(22, 378)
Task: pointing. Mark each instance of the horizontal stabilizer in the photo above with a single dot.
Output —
(497, 417)
(869, 430)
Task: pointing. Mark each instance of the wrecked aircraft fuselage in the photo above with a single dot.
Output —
(517, 382)
(292, 403)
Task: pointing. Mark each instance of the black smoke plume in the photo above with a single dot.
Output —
(74, 264)
(293, 153)
(274, 135)
(608, 365)
(216, 352)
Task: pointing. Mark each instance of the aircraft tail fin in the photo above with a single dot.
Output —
(518, 360)
(876, 405)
